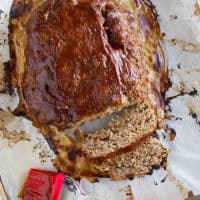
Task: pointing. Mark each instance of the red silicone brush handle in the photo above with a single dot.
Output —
(57, 190)
(43, 185)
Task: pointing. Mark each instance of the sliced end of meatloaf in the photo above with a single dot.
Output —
(140, 162)
(122, 134)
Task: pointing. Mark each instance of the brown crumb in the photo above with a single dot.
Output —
(173, 17)
(164, 164)
(164, 136)
(169, 132)
(190, 194)
(179, 66)
(168, 116)
(178, 118)
(172, 134)
(164, 179)
(155, 183)
(193, 92)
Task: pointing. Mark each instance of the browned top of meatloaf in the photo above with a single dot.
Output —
(80, 60)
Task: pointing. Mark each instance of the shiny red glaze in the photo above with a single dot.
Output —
(79, 60)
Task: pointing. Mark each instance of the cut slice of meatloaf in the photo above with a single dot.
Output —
(140, 162)
(122, 134)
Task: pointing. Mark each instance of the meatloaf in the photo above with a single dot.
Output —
(73, 61)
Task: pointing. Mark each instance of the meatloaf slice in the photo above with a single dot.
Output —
(140, 162)
(134, 125)
(147, 156)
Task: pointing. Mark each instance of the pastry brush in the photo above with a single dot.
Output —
(47, 185)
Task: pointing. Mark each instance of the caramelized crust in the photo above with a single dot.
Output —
(70, 73)
(75, 61)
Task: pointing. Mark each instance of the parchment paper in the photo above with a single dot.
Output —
(181, 24)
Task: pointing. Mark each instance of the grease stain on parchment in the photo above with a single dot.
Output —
(12, 137)
(3, 32)
(183, 191)
(128, 192)
(2, 78)
(185, 45)
(43, 152)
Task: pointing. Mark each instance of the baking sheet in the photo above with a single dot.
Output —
(181, 24)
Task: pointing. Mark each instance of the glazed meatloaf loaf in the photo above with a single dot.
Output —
(73, 61)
